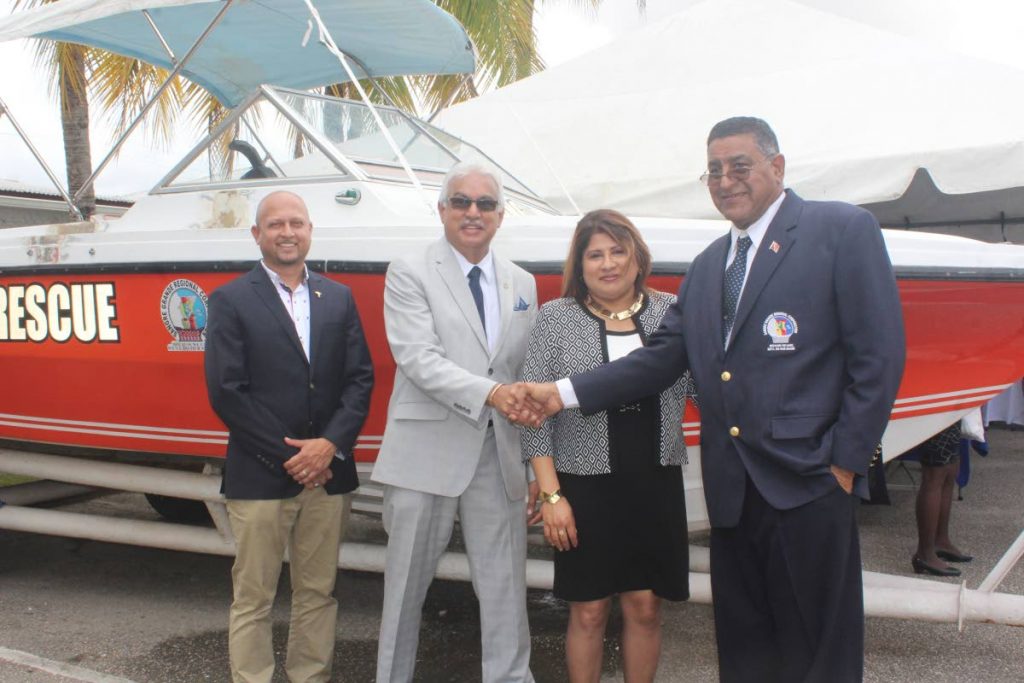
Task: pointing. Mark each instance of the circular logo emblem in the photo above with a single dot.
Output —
(183, 309)
(780, 327)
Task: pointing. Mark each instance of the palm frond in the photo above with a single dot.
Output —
(123, 86)
(503, 33)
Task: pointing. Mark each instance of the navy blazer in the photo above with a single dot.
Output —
(796, 405)
(264, 389)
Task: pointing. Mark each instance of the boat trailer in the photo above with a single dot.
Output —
(885, 595)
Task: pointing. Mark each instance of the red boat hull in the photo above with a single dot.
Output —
(136, 387)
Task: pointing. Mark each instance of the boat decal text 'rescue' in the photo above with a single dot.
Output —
(83, 311)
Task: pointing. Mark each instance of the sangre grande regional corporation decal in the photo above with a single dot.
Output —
(780, 326)
(183, 308)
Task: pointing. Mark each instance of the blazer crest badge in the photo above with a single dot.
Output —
(780, 327)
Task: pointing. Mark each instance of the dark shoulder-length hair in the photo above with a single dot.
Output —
(622, 231)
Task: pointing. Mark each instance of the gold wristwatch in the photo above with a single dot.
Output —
(551, 497)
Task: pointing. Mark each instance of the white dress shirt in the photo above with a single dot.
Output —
(756, 233)
(489, 287)
(296, 302)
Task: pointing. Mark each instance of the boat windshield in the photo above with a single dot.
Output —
(282, 133)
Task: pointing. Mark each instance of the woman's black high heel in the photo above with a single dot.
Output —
(922, 567)
(950, 556)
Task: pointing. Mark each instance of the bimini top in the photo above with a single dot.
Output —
(260, 41)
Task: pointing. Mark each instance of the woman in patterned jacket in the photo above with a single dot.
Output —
(612, 485)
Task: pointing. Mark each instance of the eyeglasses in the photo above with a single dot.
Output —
(738, 172)
(485, 204)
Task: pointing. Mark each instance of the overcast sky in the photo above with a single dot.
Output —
(982, 28)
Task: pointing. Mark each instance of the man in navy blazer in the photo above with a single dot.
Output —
(792, 329)
(289, 373)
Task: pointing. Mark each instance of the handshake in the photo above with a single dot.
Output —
(526, 403)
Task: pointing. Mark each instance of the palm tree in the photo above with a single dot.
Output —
(67, 63)
(122, 87)
(502, 31)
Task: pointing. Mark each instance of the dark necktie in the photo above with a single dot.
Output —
(734, 275)
(478, 294)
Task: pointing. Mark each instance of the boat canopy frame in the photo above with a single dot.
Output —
(75, 211)
(46, 26)
(157, 94)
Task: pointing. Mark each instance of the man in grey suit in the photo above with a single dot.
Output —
(457, 317)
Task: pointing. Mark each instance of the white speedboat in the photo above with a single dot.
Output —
(102, 324)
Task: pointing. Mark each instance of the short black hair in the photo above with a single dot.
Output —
(747, 125)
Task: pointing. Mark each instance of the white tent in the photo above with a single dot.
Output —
(858, 112)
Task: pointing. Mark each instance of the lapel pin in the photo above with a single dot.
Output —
(774, 246)
(317, 293)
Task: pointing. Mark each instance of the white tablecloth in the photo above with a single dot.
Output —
(1008, 406)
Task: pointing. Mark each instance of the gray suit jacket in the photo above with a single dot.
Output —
(437, 416)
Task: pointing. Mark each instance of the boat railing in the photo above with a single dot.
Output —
(278, 135)
(4, 109)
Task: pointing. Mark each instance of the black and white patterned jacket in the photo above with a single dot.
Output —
(567, 340)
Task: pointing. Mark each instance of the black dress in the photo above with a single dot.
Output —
(631, 523)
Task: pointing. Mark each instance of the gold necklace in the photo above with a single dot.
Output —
(618, 315)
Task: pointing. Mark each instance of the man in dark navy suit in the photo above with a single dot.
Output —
(289, 373)
(791, 326)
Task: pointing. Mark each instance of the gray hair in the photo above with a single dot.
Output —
(471, 167)
(747, 125)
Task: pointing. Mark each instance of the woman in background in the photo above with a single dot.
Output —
(612, 485)
(940, 459)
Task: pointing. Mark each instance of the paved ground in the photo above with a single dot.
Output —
(160, 616)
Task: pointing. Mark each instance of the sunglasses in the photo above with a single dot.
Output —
(484, 204)
(739, 172)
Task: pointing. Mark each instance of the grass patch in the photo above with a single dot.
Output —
(11, 479)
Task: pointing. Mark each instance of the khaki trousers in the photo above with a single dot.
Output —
(310, 526)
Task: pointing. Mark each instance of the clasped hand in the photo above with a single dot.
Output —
(527, 403)
(311, 466)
